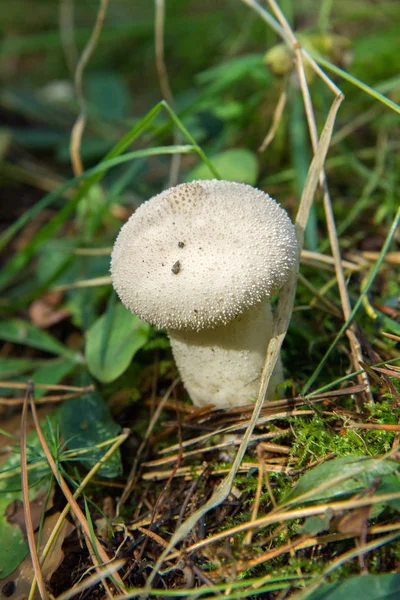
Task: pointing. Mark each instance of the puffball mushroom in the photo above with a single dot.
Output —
(201, 260)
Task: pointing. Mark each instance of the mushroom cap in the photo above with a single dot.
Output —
(199, 254)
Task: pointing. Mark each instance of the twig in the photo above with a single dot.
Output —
(25, 495)
(256, 505)
(377, 426)
(132, 475)
(44, 400)
(45, 386)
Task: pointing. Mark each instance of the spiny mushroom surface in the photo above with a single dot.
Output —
(193, 259)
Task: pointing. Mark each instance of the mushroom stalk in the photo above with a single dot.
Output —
(223, 365)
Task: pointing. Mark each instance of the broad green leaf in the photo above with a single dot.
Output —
(112, 342)
(367, 587)
(237, 164)
(340, 476)
(85, 422)
(314, 525)
(12, 367)
(107, 91)
(41, 371)
(39, 137)
(52, 372)
(61, 251)
(23, 332)
(390, 484)
(13, 548)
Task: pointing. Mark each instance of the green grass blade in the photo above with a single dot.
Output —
(371, 278)
(351, 79)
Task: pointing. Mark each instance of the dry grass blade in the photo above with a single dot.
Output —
(391, 336)
(25, 495)
(45, 386)
(257, 497)
(243, 566)
(84, 283)
(132, 475)
(377, 426)
(330, 220)
(301, 513)
(218, 422)
(93, 251)
(255, 438)
(55, 398)
(280, 107)
(308, 255)
(94, 546)
(189, 472)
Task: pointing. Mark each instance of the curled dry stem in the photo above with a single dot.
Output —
(79, 126)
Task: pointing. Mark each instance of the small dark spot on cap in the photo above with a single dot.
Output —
(176, 267)
(9, 588)
(181, 244)
(195, 310)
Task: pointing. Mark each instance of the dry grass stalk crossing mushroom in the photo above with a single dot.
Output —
(201, 260)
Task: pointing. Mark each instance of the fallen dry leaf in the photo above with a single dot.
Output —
(17, 585)
(44, 313)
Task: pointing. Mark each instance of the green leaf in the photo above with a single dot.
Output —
(390, 484)
(314, 525)
(41, 371)
(85, 422)
(237, 164)
(52, 372)
(107, 91)
(23, 332)
(340, 476)
(12, 367)
(13, 548)
(112, 342)
(367, 587)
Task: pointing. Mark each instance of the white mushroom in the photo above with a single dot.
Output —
(202, 260)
